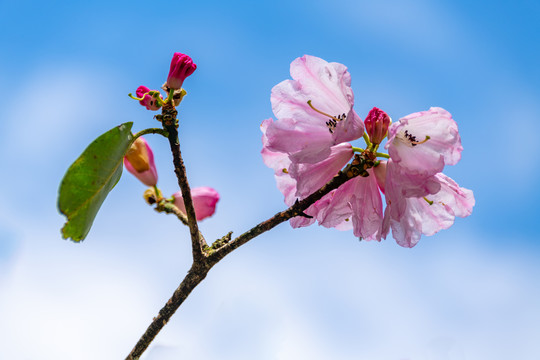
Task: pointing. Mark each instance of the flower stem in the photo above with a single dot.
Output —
(151, 131)
(366, 139)
(386, 156)
(170, 96)
(357, 149)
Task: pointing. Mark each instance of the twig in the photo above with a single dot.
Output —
(169, 121)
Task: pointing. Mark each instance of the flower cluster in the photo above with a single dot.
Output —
(181, 67)
(139, 161)
(310, 143)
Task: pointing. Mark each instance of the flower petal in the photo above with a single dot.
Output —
(358, 200)
(311, 177)
(410, 217)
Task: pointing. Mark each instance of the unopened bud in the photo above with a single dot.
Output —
(149, 98)
(204, 201)
(377, 122)
(139, 161)
(150, 196)
(181, 67)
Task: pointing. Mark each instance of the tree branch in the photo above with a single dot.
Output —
(358, 167)
(194, 276)
(169, 121)
(224, 246)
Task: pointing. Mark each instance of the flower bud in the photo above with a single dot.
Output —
(377, 123)
(150, 196)
(204, 201)
(181, 67)
(139, 161)
(148, 100)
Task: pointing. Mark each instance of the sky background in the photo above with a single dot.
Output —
(470, 292)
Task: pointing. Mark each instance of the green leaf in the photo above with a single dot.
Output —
(90, 178)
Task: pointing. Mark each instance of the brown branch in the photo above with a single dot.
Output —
(194, 276)
(225, 246)
(169, 121)
(357, 167)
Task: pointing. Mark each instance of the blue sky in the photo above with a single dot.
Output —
(469, 292)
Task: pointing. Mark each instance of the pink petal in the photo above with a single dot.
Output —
(358, 200)
(311, 177)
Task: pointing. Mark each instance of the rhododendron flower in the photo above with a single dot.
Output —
(423, 142)
(139, 161)
(204, 201)
(181, 67)
(314, 111)
(409, 217)
(148, 100)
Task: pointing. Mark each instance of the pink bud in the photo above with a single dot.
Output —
(148, 100)
(181, 67)
(204, 201)
(377, 123)
(139, 161)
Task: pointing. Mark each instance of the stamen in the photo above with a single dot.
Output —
(421, 142)
(428, 201)
(323, 113)
(136, 98)
(412, 139)
(332, 122)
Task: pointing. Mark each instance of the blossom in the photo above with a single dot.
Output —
(181, 67)
(204, 201)
(148, 100)
(139, 161)
(314, 111)
(411, 216)
(424, 142)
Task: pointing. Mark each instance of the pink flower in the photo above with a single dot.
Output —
(181, 67)
(427, 213)
(308, 145)
(314, 111)
(147, 100)
(139, 161)
(423, 142)
(204, 201)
